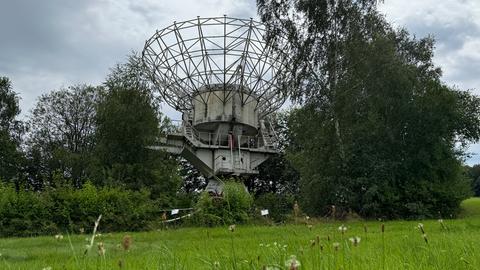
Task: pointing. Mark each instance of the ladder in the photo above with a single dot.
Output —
(189, 132)
(267, 139)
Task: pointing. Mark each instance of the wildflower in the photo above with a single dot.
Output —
(101, 249)
(336, 246)
(292, 263)
(309, 227)
(216, 264)
(307, 217)
(126, 242)
(440, 220)
(312, 243)
(355, 240)
(98, 235)
(82, 230)
(231, 228)
(342, 229)
(58, 237)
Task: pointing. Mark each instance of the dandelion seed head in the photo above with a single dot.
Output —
(126, 242)
(292, 263)
(355, 240)
(101, 249)
(342, 228)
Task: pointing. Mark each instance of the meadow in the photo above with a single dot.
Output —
(429, 244)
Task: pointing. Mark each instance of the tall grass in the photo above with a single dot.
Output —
(401, 245)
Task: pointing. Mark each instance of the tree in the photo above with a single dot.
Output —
(377, 132)
(62, 133)
(192, 180)
(128, 123)
(276, 175)
(10, 131)
(474, 174)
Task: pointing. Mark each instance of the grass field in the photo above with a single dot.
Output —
(453, 244)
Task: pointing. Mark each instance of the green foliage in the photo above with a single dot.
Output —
(378, 131)
(9, 108)
(10, 130)
(476, 187)
(128, 123)
(61, 134)
(67, 209)
(232, 208)
(279, 205)
(473, 173)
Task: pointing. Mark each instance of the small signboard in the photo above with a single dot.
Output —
(174, 211)
(264, 212)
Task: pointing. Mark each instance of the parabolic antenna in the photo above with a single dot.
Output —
(225, 79)
(208, 54)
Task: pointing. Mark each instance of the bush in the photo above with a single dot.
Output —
(26, 213)
(279, 205)
(232, 208)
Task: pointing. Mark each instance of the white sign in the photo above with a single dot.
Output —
(264, 212)
(174, 211)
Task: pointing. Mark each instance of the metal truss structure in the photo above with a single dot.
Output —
(206, 54)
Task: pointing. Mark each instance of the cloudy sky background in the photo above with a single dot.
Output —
(46, 45)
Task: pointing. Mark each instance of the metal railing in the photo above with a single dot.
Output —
(222, 140)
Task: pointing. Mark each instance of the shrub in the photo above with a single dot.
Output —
(232, 208)
(31, 213)
(279, 205)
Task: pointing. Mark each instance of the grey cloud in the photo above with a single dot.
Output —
(50, 44)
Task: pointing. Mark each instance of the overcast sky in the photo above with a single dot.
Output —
(49, 44)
